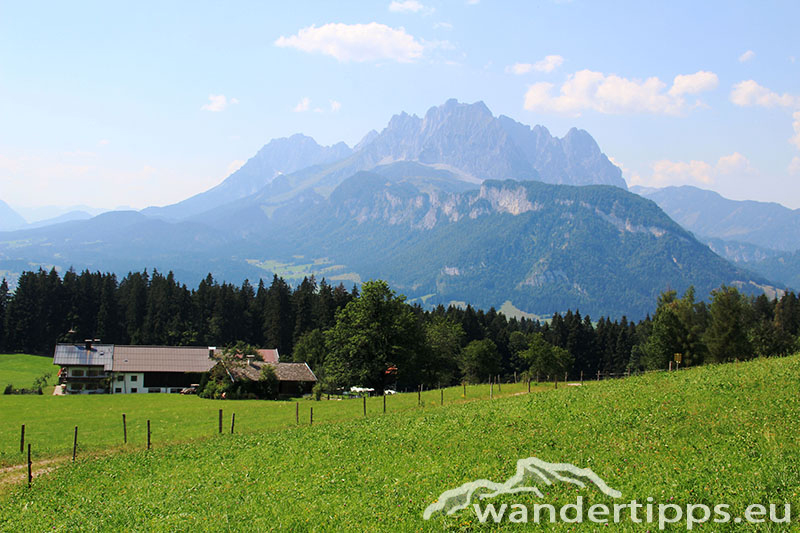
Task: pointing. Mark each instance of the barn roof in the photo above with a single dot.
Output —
(78, 355)
(284, 371)
(162, 359)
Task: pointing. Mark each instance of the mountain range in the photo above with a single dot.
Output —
(458, 206)
(761, 236)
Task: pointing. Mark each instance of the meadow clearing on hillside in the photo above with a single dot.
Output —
(714, 434)
(20, 370)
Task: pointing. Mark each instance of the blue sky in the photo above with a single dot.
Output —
(109, 104)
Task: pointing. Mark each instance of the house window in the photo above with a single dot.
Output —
(134, 378)
(120, 378)
(92, 372)
(118, 390)
(134, 389)
(77, 372)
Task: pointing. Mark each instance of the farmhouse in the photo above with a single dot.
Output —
(293, 378)
(95, 368)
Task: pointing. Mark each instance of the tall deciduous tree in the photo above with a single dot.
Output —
(374, 332)
(480, 360)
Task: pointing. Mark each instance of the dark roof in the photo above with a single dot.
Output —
(284, 371)
(162, 359)
(78, 355)
(269, 356)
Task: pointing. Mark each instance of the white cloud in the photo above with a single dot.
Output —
(735, 163)
(356, 42)
(666, 172)
(612, 94)
(747, 56)
(549, 63)
(794, 166)
(335, 106)
(750, 93)
(443, 25)
(103, 142)
(410, 6)
(519, 68)
(473, 2)
(218, 102)
(694, 83)
(303, 105)
(795, 140)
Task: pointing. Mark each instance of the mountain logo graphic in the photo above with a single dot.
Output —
(529, 472)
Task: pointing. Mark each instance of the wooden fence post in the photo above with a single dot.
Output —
(233, 421)
(441, 402)
(419, 395)
(124, 430)
(498, 383)
(22, 440)
(311, 417)
(75, 444)
(581, 377)
(384, 402)
(220, 420)
(491, 388)
(529, 386)
(598, 375)
(297, 413)
(30, 466)
(148, 434)
(465, 389)
(365, 405)
(555, 381)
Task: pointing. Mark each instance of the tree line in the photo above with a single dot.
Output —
(373, 337)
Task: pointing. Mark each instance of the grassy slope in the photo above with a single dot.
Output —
(21, 369)
(50, 420)
(723, 434)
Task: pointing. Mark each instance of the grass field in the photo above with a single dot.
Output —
(717, 434)
(50, 420)
(20, 370)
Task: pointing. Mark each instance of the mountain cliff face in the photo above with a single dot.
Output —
(544, 247)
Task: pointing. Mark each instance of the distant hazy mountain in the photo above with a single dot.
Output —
(707, 214)
(66, 217)
(9, 219)
(279, 156)
(121, 241)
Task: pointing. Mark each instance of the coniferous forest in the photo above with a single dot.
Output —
(373, 337)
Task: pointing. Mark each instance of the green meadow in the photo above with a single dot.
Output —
(50, 420)
(20, 370)
(718, 434)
